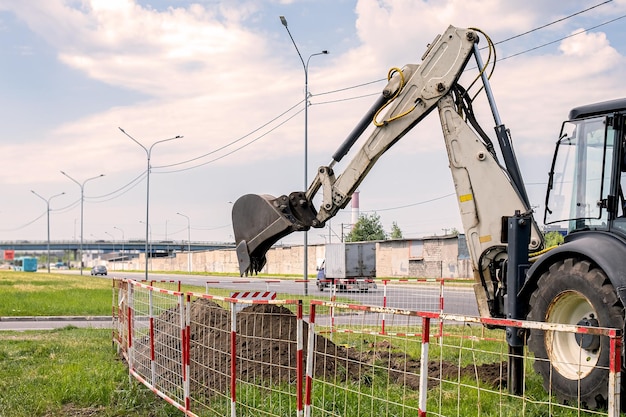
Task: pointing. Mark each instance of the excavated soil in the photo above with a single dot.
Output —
(267, 352)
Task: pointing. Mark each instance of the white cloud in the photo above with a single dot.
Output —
(209, 76)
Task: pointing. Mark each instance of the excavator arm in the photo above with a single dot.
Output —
(486, 190)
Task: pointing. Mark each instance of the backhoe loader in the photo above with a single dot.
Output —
(581, 282)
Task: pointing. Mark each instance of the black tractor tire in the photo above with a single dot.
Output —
(574, 292)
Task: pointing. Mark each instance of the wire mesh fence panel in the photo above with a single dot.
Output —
(168, 323)
(361, 371)
(474, 370)
(157, 341)
(267, 359)
(119, 311)
(217, 356)
(140, 341)
(209, 356)
(244, 356)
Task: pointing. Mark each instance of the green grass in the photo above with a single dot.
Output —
(77, 372)
(41, 294)
(69, 371)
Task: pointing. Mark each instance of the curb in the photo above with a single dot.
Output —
(55, 318)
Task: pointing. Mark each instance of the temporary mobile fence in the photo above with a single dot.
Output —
(222, 356)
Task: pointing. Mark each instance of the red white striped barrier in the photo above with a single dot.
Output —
(254, 295)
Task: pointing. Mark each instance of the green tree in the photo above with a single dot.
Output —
(396, 233)
(552, 239)
(368, 227)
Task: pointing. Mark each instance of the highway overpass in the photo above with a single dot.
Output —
(106, 246)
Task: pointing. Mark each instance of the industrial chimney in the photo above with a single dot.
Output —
(355, 207)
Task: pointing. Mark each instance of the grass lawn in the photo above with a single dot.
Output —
(70, 371)
(42, 294)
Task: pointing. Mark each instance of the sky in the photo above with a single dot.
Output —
(226, 77)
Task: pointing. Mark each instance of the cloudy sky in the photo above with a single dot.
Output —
(226, 77)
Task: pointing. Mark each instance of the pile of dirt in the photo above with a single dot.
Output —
(266, 347)
(265, 344)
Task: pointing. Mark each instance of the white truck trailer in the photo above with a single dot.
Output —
(348, 266)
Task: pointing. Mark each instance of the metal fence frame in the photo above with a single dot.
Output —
(152, 331)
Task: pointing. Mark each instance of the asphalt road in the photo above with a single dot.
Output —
(424, 296)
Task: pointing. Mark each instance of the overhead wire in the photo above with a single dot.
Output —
(490, 46)
(234, 150)
(236, 140)
(136, 179)
(580, 32)
(133, 183)
(126, 188)
(552, 23)
(25, 224)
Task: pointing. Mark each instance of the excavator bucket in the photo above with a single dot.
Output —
(259, 221)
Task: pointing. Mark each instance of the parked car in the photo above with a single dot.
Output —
(99, 270)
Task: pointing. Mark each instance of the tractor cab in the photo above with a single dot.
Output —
(588, 174)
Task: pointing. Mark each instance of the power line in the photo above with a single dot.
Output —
(380, 80)
(552, 23)
(25, 224)
(234, 150)
(134, 182)
(235, 141)
(411, 205)
(580, 32)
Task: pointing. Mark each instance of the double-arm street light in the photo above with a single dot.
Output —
(48, 213)
(188, 241)
(82, 201)
(305, 66)
(148, 154)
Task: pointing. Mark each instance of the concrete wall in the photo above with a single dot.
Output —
(436, 257)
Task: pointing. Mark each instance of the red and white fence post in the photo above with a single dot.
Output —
(129, 317)
(423, 387)
(615, 367)
(185, 326)
(233, 359)
(299, 358)
(310, 358)
(151, 322)
(382, 326)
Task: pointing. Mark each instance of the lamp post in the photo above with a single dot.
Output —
(48, 213)
(305, 66)
(188, 241)
(123, 259)
(149, 227)
(82, 200)
(148, 154)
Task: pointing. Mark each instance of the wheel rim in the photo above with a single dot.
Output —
(564, 351)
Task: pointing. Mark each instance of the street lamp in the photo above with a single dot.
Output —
(82, 200)
(306, 129)
(48, 212)
(188, 241)
(148, 153)
(123, 259)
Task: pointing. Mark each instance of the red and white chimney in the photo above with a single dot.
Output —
(355, 207)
